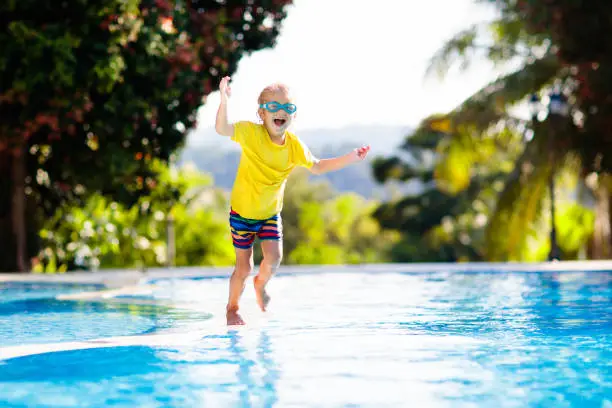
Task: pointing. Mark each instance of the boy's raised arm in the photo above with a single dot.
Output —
(337, 163)
(222, 126)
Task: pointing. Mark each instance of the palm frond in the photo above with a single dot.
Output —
(490, 105)
(500, 41)
(460, 48)
(519, 206)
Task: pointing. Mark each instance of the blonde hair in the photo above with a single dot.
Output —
(270, 89)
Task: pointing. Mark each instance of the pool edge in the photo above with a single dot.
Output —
(117, 278)
(148, 340)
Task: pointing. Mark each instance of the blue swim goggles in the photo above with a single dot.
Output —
(276, 106)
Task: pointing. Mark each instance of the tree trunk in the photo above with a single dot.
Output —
(602, 236)
(18, 212)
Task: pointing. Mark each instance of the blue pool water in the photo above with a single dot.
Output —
(30, 314)
(338, 340)
(15, 291)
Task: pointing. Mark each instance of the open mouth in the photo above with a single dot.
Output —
(279, 122)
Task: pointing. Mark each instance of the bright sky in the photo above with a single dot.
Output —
(348, 64)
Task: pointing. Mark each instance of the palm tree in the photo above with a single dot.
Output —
(533, 64)
(443, 218)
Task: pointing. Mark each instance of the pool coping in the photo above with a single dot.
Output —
(169, 339)
(119, 278)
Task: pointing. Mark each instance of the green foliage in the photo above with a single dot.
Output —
(320, 227)
(575, 225)
(93, 92)
(445, 222)
(542, 46)
(323, 228)
(516, 222)
(106, 234)
(421, 145)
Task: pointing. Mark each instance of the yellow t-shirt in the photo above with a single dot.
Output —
(264, 166)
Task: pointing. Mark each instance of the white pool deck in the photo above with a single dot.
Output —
(119, 278)
(116, 282)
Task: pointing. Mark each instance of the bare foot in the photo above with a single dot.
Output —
(234, 319)
(260, 293)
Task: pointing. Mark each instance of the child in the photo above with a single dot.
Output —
(269, 153)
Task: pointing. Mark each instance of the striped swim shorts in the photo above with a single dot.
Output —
(244, 230)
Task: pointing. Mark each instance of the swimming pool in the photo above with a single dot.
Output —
(31, 314)
(344, 339)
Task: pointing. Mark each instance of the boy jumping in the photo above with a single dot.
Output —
(269, 153)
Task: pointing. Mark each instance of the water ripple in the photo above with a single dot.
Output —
(338, 340)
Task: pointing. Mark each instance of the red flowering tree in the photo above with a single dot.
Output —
(92, 92)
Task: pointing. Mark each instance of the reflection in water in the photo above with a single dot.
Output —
(244, 366)
(271, 370)
(248, 369)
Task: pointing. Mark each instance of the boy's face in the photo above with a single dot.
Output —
(277, 122)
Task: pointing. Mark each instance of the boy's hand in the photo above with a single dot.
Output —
(224, 88)
(362, 152)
